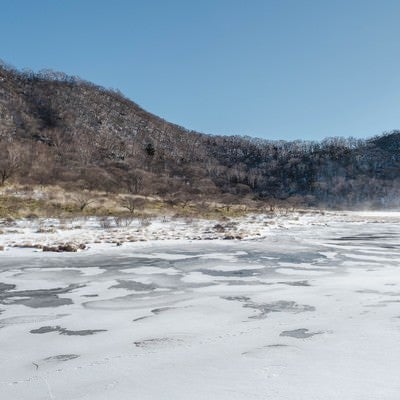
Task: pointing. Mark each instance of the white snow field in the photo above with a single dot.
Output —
(310, 310)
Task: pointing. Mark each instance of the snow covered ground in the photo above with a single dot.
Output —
(304, 308)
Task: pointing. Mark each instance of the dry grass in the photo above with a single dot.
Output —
(54, 201)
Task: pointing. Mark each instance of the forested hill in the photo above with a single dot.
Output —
(57, 129)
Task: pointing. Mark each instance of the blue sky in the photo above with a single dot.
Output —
(277, 69)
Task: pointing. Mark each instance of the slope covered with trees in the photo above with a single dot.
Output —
(57, 129)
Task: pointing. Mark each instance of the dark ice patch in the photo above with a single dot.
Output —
(278, 306)
(61, 357)
(235, 273)
(364, 237)
(45, 329)
(299, 333)
(4, 287)
(295, 283)
(237, 298)
(43, 301)
(157, 311)
(141, 318)
(64, 331)
(39, 298)
(266, 308)
(133, 285)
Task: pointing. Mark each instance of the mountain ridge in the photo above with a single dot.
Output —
(55, 128)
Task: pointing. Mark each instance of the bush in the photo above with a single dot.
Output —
(105, 222)
(123, 221)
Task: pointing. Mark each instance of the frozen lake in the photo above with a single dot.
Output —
(307, 313)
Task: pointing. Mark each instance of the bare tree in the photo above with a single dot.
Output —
(132, 203)
(83, 199)
(10, 160)
(133, 182)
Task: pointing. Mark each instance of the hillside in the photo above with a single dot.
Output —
(57, 129)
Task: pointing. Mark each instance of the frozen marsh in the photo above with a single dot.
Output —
(297, 309)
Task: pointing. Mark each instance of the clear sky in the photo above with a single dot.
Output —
(278, 69)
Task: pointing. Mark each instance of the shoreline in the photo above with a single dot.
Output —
(91, 235)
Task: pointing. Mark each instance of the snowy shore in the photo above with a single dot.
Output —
(95, 233)
(301, 307)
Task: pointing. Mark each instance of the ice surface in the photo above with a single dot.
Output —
(307, 312)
